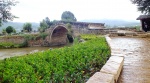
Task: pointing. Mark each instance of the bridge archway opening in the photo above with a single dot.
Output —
(70, 38)
(59, 36)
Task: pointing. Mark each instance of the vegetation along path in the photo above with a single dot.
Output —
(136, 68)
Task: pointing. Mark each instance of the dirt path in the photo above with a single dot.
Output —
(136, 68)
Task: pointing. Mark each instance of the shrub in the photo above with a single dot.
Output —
(9, 29)
(29, 36)
(13, 45)
(64, 65)
(88, 36)
(27, 27)
(43, 35)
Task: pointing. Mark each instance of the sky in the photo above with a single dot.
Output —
(36, 10)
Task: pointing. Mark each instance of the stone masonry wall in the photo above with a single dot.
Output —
(21, 39)
(13, 39)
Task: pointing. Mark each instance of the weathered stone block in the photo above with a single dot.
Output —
(100, 77)
(116, 59)
(113, 66)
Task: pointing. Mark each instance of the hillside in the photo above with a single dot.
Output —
(18, 26)
(113, 22)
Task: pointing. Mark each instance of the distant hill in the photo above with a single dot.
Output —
(112, 23)
(108, 22)
(18, 26)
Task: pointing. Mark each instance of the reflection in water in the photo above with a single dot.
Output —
(136, 68)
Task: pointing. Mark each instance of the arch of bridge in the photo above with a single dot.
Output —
(58, 35)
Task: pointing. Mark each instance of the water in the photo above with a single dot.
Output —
(136, 68)
(6, 53)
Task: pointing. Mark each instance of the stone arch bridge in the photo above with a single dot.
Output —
(57, 35)
(58, 31)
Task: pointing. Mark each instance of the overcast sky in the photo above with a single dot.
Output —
(36, 10)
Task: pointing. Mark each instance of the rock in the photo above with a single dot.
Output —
(81, 40)
(50, 48)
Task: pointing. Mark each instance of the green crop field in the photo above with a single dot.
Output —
(64, 65)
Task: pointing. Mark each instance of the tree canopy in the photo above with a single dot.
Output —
(5, 10)
(27, 27)
(47, 20)
(9, 29)
(68, 16)
(143, 5)
(44, 25)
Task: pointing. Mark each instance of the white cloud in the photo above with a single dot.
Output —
(36, 10)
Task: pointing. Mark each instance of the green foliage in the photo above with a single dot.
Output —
(6, 45)
(68, 16)
(27, 27)
(12, 45)
(9, 29)
(19, 25)
(4, 31)
(143, 5)
(64, 65)
(76, 40)
(5, 8)
(24, 44)
(49, 23)
(43, 35)
(138, 28)
(69, 27)
(14, 30)
(28, 37)
(43, 26)
(88, 36)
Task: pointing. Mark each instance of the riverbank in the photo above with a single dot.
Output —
(23, 40)
(7, 53)
(12, 52)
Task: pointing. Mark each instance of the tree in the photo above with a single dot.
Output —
(4, 31)
(68, 16)
(27, 27)
(14, 30)
(5, 8)
(43, 26)
(143, 5)
(9, 29)
(47, 20)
